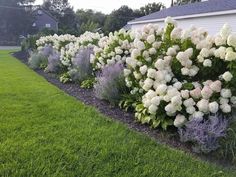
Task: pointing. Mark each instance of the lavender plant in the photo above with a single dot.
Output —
(47, 51)
(204, 134)
(110, 84)
(81, 67)
(37, 60)
(53, 62)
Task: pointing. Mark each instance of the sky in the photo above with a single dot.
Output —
(106, 6)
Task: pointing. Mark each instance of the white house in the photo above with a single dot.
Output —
(210, 15)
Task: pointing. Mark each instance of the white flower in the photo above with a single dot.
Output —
(143, 69)
(176, 33)
(205, 52)
(156, 45)
(233, 100)
(185, 71)
(170, 109)
(127, 72)
(156, 100)
(152, 51)
(226, 93)
(198, 115)
(213, 107)
(137, 75)
(140, 45)
(168, 77)
(220, 52)
(185, 94)
(161, 89)
(179, 120)
(207, 63)
(152, 109)
(230, 56)
(216, 86)
(151, 39)
(169, 20)
(227, 76)
(206, 92)
(176, 100)
(196, 93)
(225, 31)
(151, 73)
(232, 40)
(148, 83)
(178, 85)
(135, 53)
(224, 100)
(160, 64)
(150, 94)
(190, 110)
(171, 52)
(219, 40)
(147, 103)
(189, 103)
(203, 105)
(145, 54)
(131, 61)
(226, 108)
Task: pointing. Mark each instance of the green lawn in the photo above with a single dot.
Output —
(45, 132)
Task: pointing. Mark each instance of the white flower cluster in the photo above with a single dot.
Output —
(112, 49)
(46, 40)
(88, 39)
(152, 71)
(183, 74)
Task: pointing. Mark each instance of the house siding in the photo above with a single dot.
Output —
(43, 19)
(212, 24)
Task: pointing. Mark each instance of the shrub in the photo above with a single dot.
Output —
(228, 143)
(54, 64)
(37, 60)
(110, 83)
(181, 74)
(88, 84)
(81, 67)
(29, 43)
(204, 134)
(112, 49)
(47, 50)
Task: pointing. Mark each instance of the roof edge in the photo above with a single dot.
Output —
(225, 12)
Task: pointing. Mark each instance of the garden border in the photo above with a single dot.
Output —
(87, 97)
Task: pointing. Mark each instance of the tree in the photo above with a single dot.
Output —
(64, 13)
(151, 8)
(89, 20)
(182, 2)
(118, 18)
(17, 20)
(88, 26)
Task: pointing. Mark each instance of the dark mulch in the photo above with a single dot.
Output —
(87, 96)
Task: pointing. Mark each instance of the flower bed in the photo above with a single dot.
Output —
(168, 76)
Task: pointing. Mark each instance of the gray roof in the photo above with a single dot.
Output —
(191, 9)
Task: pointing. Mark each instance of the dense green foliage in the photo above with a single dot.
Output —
(45, 132)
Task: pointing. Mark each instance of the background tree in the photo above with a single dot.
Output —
(182, 2)
(89, 20)
(64, 13)
(15, 20)
(151, 8)
(118, 18)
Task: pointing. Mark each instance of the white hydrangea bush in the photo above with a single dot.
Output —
(177, 75)
(112, 49)
(46, 40)
(86, 40)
